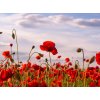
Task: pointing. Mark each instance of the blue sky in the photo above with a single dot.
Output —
(68, 30)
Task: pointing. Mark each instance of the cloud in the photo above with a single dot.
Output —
(42, 21)
(88, 22)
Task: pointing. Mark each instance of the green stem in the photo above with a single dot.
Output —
(31, 56)
(83, 58)
(50, 59)
(17, 50)
(11, 50)
(17, 45)
(45, 64)
(84, 79)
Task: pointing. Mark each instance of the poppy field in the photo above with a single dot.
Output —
(14, 73)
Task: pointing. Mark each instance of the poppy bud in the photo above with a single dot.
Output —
(92, 59)
(33, 47)
(11, 44)
(13, 35)
(76, 66)
(46, 60)
(13, 53)
(38, 57)
(41, 55)
(87, 60)
(67, 60)
(0, 32)
(20, 62)
(59, 56)
(79, 50)
(12, 60)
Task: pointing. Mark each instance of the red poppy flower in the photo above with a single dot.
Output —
(87, 60)
(28, 79)
(38, 57)
(3, 75)
(54, 51)
(92, 84)
(59, 56)
(69, 64)
(98, 58)
(49, 46)
(67, 60)
(43, 84)
(33, 83)
(59, 83)
(6, 54)
(24, 66)
(1, 82)
(98, 83)
(36, 67)
(9, 73)
(10, 84)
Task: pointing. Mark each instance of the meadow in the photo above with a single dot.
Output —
(14, 73)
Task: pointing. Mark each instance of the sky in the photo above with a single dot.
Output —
(69, 31)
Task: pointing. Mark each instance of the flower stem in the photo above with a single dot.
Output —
(84, 79)
(83, 58)
(50, 59)
(16, 44)
(30, 55)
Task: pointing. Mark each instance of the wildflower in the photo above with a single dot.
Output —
(67, 60)
(33, 83)
(3, 75)
(69, 64)
(9, 73)
(98, 83)
(36, 67)
(98, 58)
(43, 84)
(54, 51)
(59, 56)
(87, 60)
(38, 57)
(6, 54)
(49, 46)
(1, 82)
(92, 84)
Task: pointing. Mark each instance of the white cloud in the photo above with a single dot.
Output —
(41, 21)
